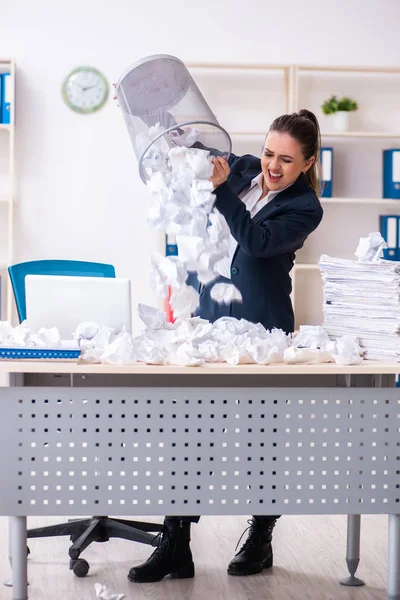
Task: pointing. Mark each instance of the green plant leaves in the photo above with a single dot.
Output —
(333, 105)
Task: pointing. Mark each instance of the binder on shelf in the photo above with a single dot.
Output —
(5, 98)
(326, 157)
(391, 173)
(1, 99)
(171, 247)
(389, 226)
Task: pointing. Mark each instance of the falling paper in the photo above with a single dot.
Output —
(184, 301)
(225, 293)
(181, 204)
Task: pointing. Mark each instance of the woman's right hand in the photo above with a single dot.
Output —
(221, 171)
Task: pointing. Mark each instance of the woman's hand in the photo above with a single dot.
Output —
(221, 171)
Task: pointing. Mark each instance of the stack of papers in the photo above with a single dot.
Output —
(362, 299)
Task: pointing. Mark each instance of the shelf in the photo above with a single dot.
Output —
(3, 265)
(248, 133)
(364, 201)
(237, 66)
(5, 127)
(343, 134)
(335, 69)
(360, 134)
(306, 267)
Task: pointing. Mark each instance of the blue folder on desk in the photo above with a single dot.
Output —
(391, 173)
(327, 172)
(390, 229)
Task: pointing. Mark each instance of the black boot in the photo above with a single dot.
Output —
(171, 557)
(256, 553)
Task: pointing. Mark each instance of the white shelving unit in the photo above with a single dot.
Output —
(7, 193)
(247, 97)
(357, 173)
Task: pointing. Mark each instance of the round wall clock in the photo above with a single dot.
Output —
(85, 90)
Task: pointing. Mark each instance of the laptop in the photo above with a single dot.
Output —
(62, 301)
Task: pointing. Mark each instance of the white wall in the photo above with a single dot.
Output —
(78, 190)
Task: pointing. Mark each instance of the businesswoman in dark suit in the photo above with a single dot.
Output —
(271, 207)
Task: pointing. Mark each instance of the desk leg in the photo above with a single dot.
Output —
(19, 558)
(353, 537)
(394, 558)
(353, 550)
(8, 582)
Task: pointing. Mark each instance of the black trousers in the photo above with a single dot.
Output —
(197, 519)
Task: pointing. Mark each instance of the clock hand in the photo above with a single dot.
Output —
(89, 87)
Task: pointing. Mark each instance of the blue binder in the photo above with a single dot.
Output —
(391, 173)
(1, 99)
(326, 156)
(171, 247)
(5, 98)
(389, 226)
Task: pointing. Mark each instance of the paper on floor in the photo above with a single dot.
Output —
(102, 593)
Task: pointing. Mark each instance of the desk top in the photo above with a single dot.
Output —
(367, 367)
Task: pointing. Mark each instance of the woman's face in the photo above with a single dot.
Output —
(282, 161)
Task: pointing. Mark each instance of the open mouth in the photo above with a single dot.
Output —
(274, 176)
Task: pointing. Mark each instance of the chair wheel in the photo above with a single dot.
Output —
(80, 567)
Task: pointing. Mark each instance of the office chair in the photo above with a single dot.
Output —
(82, 532)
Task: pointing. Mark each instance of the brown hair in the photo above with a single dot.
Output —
(303, 126)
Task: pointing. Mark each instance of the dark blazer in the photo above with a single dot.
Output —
(266, 247)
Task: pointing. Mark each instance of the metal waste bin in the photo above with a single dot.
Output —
(163, 108)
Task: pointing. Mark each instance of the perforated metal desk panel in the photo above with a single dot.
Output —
(209, 440)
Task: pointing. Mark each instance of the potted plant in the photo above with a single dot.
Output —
(341, 108)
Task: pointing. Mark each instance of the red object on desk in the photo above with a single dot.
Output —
(168, 308)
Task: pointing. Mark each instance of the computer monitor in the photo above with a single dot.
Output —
(64, 302)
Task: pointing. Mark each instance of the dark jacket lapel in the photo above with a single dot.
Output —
(299, 188)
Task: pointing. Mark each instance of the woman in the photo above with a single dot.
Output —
(271, 207)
